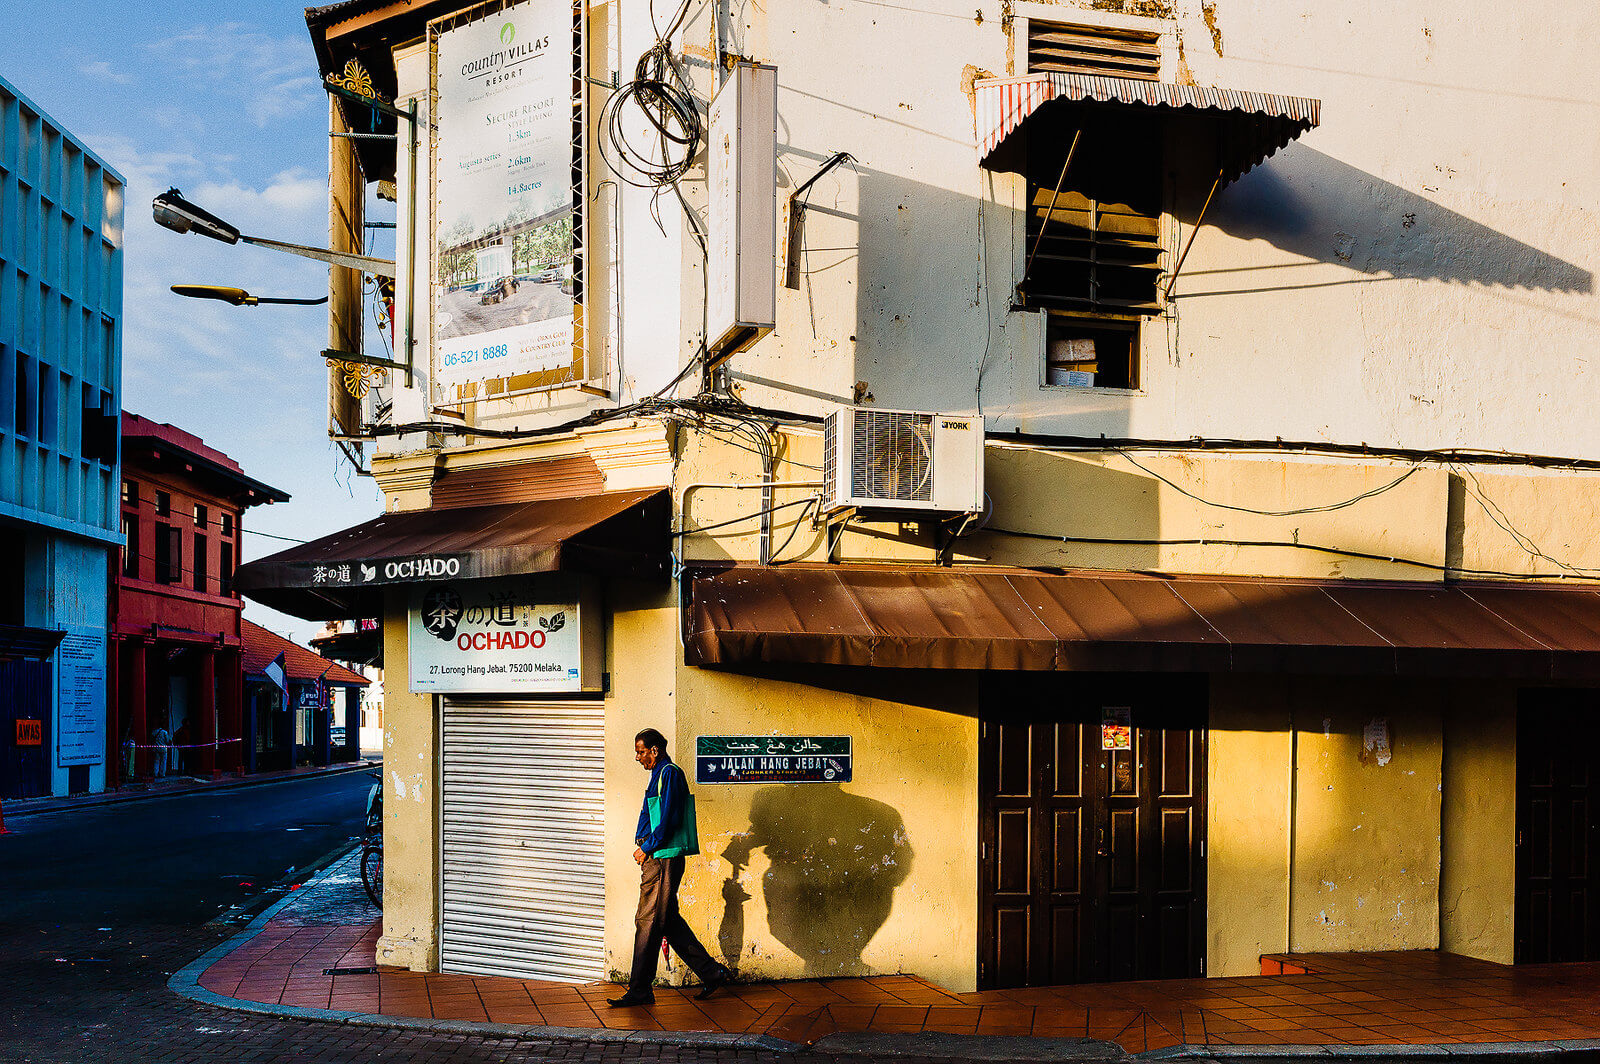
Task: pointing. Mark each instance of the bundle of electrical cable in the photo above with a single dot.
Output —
(660, 90)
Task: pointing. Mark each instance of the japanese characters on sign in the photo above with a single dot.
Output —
(772, 759)
(494, 636)
(386, 571)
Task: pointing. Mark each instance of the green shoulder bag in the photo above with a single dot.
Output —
(683, 842)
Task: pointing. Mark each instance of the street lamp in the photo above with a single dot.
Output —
(172, 211)
(237, 296)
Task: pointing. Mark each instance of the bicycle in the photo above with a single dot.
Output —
(372, 843)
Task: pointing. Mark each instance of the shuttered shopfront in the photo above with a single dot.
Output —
(523, 813)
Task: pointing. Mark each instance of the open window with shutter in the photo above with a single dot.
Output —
(1095, 257)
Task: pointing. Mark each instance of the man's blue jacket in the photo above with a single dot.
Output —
(666, 780)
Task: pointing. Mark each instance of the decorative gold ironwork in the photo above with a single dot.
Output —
(358, 376)
(356, 79)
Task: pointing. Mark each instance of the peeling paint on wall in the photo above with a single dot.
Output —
(1208, 11)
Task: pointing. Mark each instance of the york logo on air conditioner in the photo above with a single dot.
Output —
(962, 425)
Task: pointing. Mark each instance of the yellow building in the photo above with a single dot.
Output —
(1232, 648)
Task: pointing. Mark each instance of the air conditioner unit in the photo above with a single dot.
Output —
(903, 460)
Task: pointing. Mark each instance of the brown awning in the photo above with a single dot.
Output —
(621, 533)
(1021, 619)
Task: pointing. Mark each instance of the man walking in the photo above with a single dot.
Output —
(666, 833)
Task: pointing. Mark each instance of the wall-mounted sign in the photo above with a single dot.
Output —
(503, 261)
(772, 759)
(1116, 727)
(742, 296)
(81, 697)
(30, 733)
(502, 636)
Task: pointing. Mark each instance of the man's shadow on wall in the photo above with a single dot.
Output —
(835, 861)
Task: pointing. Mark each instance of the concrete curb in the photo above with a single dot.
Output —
(1501, 1052)
(19, 808)
(935, 1045)
(186, 983)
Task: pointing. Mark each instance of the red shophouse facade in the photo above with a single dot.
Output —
(176, 632)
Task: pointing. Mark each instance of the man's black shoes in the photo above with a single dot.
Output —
(715, 983)
(632, 999)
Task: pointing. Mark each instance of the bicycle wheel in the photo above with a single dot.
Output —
(372, 873)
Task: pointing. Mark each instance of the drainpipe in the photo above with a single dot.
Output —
(1294, 778)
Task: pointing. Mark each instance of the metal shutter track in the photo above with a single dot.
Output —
(523, 871)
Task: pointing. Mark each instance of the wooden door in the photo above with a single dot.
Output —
(1091, 860)
(1556, 897)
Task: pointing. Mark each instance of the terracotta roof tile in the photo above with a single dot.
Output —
(299, 663)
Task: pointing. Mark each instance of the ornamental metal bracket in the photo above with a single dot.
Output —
(355, 84)
(362, 371)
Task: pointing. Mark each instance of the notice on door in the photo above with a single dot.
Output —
(1116, 727)
(772, 759)
(493, 637)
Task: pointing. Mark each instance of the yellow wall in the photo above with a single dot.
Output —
(642, 653)
(1366, 832)
(1247, 824)
(1360, 869)
(1478, 884)
(878, 875)
(410, 807)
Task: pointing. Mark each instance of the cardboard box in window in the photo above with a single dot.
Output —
(1071, 363)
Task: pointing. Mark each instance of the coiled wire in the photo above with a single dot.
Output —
(660, 91)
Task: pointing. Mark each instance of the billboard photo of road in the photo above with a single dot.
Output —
(503, 277)
(524, 277)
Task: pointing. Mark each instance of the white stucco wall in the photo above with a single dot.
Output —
(1419, 270)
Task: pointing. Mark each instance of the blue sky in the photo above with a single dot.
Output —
(222, 101)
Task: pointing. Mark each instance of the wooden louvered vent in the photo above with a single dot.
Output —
(1095, 255)
(1116, 53)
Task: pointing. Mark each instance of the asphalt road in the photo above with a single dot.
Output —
(532, 301)
(182, 860)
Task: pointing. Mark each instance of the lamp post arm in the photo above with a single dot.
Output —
(364, 263)
(292, 302)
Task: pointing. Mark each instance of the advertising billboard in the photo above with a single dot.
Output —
(503, 209)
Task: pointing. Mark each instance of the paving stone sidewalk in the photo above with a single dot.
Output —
(317, 954)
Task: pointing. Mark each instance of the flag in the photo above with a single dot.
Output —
(274, 672)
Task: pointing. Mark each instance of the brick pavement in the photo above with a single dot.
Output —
(1413, 998)
(78, 995)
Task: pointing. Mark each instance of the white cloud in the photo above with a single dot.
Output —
(272, 77)
(102, 70)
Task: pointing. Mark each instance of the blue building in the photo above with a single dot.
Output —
(61, 219)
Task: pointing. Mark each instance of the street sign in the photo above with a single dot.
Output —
(772, 759)
(30, 733)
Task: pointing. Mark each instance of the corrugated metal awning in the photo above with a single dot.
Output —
(1094, 621)
(17, 641)
(621, 533)
(1249, 126)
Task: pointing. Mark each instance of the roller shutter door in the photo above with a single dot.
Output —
(524, 803)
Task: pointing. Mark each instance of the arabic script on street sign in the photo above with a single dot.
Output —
(772, 759)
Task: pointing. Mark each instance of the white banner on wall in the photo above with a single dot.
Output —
(492, 636)
(502, 272)
(81, 694)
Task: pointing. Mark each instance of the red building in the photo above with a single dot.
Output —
(176, 632)
(307, 714)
